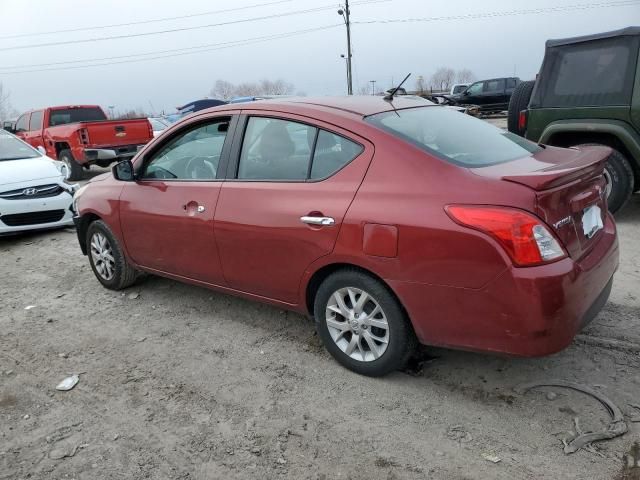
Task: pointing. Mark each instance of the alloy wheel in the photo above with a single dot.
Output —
(102, 256)
(357, 324)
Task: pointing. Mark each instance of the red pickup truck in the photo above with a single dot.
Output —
(81, 135)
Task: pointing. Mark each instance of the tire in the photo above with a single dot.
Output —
(620, 178)
(112, 270)
(339, 334)
(519, 101)
(74, 169)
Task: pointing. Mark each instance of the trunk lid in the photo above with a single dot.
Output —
(569, 189)
(111, 133)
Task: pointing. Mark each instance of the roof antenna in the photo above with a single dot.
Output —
(389, 97)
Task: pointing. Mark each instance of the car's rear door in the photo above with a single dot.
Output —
(33, 136)
(167, 214)
(291, 181)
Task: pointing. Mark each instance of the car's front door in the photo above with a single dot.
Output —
(292, 184)
(494, 93)
(167, 213)
(473, 94)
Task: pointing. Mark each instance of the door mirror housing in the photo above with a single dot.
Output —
(124, 171)
(41, 149)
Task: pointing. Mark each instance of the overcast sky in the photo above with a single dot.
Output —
(490, 47)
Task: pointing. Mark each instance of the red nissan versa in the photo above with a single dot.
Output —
(391, 222)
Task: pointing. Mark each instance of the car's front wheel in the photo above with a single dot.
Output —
(107, 259)
(362, 324)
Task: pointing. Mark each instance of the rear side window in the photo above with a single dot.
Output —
(511, 83)
(453, 136)
(275, 149)
(36, 121)
(73, 115)
(597, 73)
(492, 86)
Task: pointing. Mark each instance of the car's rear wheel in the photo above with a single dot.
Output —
(362, 324)
(74, 170)
(107, 259)
(620, 179)
(519, 101)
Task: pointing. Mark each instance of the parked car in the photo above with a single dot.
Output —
(458, 88)
(80, 136)
(392, 222)
(9, 125)
(158, 124)
(491, 95)
(588, 92)
(33, 190)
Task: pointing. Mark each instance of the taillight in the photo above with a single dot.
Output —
(522, 120)
(84, 136)
(524, 237)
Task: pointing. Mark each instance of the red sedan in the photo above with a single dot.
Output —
(391, 222)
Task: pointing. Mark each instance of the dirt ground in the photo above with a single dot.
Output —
(183, 383)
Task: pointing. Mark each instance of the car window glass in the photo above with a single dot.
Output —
(331, 154)
(63, 116)
(22, 125)
(511, 83)
(475, 88)
(12, 148)
(492, 86)
(275, 149)
(588, 74)
(36, 121)
(453, 136)
(191, 155)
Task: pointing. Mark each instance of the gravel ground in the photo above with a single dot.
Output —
(184, 383)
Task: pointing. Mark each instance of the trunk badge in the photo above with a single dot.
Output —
(562, 222)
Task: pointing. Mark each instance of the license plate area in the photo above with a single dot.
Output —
(592, 221)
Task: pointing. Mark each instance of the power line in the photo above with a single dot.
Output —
(161, 54)
(532, 11)
(182, 29)
(142, 22)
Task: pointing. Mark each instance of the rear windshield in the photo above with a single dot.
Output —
(454, 136)
(73, 115)
(11, 148)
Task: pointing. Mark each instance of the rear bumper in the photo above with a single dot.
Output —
(524, 311)
(106, 155)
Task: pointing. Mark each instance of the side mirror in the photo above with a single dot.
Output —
(123, 171)
(41, 149)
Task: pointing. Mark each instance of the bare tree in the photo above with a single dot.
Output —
(363, 90)
(443, 78)
(131, 113)
(247, 89)
(465, 76)
(6, 109)
(223, 90)
(277, 87)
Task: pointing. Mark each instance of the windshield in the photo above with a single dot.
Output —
(72, 115)
(12, 148)
(453, 136)
(157, 124)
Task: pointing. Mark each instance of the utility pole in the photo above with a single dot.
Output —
(373, 86)
(345, 16)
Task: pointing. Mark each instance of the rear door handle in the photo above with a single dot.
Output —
(324, 221)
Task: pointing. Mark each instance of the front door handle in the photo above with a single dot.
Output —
(323, 221)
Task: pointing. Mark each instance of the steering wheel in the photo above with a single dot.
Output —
(201, 168)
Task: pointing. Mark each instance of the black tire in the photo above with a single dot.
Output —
(124, 275)
(401, 337)
(76, 172)
(519, 101)
(619, 172)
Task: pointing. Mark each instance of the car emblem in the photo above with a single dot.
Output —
(29, 191)
(562, 222)
(121, 134)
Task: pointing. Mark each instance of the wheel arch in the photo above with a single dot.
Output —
(60, 146)
(324, 271)
(615, 135)
(82, 226)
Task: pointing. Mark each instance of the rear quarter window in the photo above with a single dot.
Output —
(454, 136)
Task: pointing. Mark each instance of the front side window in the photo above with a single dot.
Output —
(36, 121)
(191, 155)
(276, 149)
(22, 125)
(453, 136)
(475, 89)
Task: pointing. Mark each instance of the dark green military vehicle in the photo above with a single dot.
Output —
(588, 92)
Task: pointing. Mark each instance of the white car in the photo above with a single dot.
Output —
(158, 124)
(33, 192)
